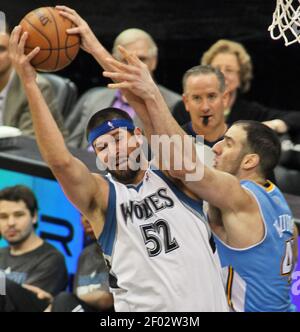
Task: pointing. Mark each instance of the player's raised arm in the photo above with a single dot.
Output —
(135, 77)
(92, 45)
(79, 184)
(89, 41)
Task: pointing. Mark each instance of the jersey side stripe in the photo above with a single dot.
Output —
(229, 286)
(108, 234)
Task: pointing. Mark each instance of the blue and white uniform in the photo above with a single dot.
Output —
(157, 242)
(258, 277)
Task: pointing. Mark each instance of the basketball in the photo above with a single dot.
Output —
(47, 29)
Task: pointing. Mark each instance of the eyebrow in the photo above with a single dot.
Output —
(228, 138)
(2, 213)
(114, 133)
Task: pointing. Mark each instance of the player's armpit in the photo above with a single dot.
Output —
(221, 190)
(88, 192)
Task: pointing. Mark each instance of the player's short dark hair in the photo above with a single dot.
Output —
(103, 115)
(263, 141)
(20, 193)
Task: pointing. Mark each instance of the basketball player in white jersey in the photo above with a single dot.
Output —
(152, 231)
(255, 232)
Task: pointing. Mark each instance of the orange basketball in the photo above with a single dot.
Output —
(47, 29)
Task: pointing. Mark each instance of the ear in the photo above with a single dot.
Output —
(138, 133)
(185, 101)
(250, 161)
(35, 218)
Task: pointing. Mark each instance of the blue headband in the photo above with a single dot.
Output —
(107, 126)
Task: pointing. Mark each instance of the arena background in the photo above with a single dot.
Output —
(183, 30)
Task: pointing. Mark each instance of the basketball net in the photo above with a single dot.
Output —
(286, 21)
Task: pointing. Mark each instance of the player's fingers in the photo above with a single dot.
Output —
(22, 42)
(130, 57)
(116, 64)
(112, 66)
(65, 9)
(118, 76)
(121, 66)
(14, 38)
(33, 53)
(69, 13)
(70, 16)
(122, 85)
(73, 31)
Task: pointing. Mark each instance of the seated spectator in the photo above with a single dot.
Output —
(14, 108)
(235, 63)
(141, 43)
(91, 290)
(35, 271)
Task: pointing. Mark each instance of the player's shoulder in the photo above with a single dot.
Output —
(102, 179)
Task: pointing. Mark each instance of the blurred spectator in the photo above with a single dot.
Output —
(14, 108)
(35, 271)
(91, 290)
(142, 44)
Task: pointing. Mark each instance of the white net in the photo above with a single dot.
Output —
(286, 21)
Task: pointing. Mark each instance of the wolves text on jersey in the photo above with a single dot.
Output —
(146, 208)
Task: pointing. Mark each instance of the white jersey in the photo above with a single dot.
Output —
(157, 242)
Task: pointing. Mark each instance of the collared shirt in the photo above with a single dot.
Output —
(3, 95)
(123, 105)
(189, 130)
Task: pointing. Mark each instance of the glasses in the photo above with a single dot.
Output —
(229, 71)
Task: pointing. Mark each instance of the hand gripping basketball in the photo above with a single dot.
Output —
(47, 29)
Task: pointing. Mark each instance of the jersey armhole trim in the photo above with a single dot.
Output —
(192, 203)
(107, 237)
(265, 228)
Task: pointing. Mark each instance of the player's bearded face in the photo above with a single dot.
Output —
(120, 153)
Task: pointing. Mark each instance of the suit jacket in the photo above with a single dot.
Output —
(104, 98)
(16, 111)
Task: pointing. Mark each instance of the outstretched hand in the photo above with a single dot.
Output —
(20, 60)
(132, 76)
(88, 39)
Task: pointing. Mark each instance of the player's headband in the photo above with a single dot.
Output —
(109, 125)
